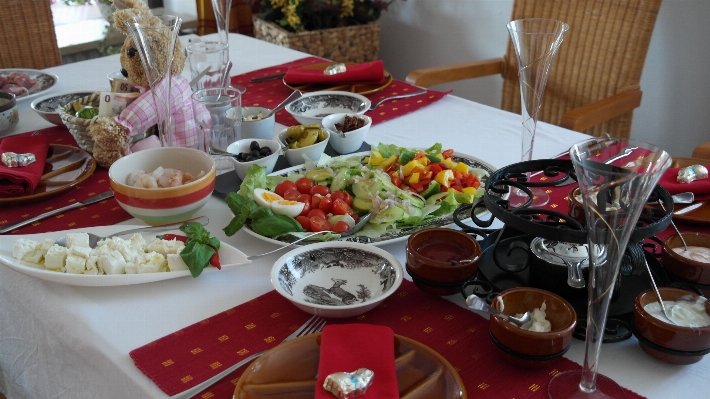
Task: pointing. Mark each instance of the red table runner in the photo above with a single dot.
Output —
(187, 357)
(103, 213)
(271, 93)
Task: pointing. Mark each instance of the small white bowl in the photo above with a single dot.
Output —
(9, 117)
(258, 129)
(336, 279)
(348, 142)
(47, 106)
(311, 108)
(114, 75)
(294, 156)
(243, 146)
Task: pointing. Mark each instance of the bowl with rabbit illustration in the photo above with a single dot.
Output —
(336, 279)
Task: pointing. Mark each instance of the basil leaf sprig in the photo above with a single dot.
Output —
(200, 247)
(263, 220)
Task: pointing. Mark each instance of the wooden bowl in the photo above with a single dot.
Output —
(667, 342)
(529, 348)
(429, 256)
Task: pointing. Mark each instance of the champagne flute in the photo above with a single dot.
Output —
(536, 42)
(613, 195)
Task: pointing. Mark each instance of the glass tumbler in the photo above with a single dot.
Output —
(218, 116)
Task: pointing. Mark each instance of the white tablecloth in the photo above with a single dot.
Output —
(60, 341)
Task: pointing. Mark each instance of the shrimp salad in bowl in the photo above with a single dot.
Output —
(161, 178)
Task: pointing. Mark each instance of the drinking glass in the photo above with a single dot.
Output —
(208, 64)
(613, 195)
(158, 67)
(218, 116)
(536, 42)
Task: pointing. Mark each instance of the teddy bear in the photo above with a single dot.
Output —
(112, 135)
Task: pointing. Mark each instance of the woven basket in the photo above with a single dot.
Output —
(357, 43)
(79, 127)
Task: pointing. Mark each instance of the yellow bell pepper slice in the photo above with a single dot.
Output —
(461, 167)
(444, 177)
(451, 164)
(469, 190)
(414, 177)
(385, 164)
(376, 158)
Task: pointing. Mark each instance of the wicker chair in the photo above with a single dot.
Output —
(594, 82)
(27, 38)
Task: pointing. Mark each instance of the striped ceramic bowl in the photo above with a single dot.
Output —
(163, 205)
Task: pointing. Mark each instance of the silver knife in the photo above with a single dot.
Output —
(689, 208)
(91, 200)
(267, 78)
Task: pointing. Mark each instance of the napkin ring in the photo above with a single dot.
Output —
(12, 160)
(692, 173)
(334, 69)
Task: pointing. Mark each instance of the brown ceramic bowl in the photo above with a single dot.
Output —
(429, 256)
(529, 348)
(685, 268)
(665, 341)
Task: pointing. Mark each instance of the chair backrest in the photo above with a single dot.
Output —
(27, 37)
(240, 18)
(602, 54)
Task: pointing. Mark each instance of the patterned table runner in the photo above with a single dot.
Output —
(189, 356)
(103, 213)
(271, 93)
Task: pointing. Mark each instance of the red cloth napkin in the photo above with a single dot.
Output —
(369, 72)
(22, 180)
(348, 347)
(701, 188)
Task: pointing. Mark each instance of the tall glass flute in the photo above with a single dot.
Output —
(613, 197)
(221, 14)
(536, 42)
(152, 42)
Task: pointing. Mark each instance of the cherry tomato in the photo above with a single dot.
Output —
(285, 185)
(291, 194)
(322, 190)
(340, 207)
(317, 213)
(306, 203)
(318, 224)
(341, 195)
(340, 227)
(304, 185)
(315, 201)
(326, 204)
(305, 222)
(448, 153)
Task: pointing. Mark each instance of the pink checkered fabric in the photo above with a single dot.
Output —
(142, 114)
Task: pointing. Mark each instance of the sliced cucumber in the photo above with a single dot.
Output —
(388, 215)
(319, 175)
(362, 204)
(341, 179)
(364, 188)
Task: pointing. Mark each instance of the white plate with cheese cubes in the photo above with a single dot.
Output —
(148, 268)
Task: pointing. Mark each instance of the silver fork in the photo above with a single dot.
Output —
(313, 325)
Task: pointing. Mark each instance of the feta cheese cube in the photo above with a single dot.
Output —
(176, 263)
(75, 264)
(152, 262)
(55, 258)
(83, 252)
(112, 263)
(45, 245)
(137, 241)
(23, 247)
(131, 268)
(77, 239)
(34, 257)
(91, 267)
(165, 247)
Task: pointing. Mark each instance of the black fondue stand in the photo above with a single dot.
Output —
(507, 260)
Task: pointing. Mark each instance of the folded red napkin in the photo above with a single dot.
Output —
(369, 72)
(701, 188)
(22, 180)
(348, 347)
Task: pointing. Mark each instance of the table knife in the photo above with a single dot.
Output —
(688, 208)
(91, 200)
(267, 78)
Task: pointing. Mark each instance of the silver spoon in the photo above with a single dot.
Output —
(359, 225)
(377, 104)
(674, 227)
(476, 303)
(683, 198)
(655, 289)
(94, 239)
(296, 94)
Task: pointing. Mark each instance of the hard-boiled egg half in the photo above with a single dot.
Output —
(278, 205)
